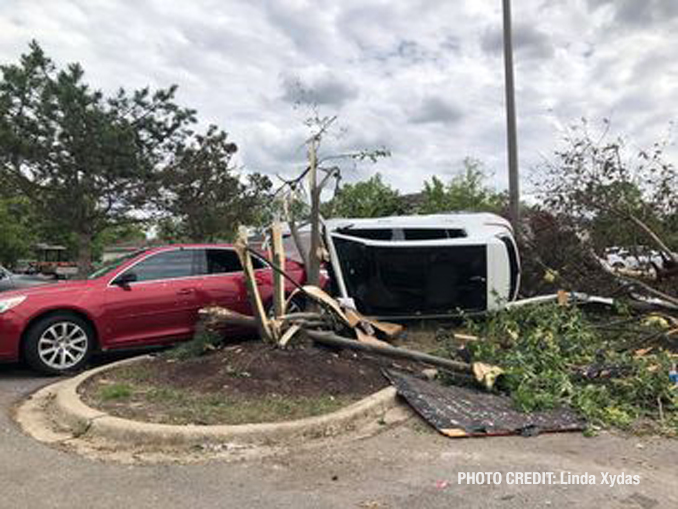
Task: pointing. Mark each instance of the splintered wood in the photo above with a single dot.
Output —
(258, 309)
(281, 328)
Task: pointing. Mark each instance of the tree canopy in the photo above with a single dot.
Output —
(203, 196)
(369, 198)
(92, 165)
(466, 191)
(84, 159)
(16, 230)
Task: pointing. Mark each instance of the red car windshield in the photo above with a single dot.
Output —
(111, 266)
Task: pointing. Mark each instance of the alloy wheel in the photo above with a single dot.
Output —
(63, 345)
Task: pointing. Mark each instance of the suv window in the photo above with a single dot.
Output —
(368, 233)
(424, 234)
(165, 265)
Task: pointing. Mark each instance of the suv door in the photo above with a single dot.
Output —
(161, 304)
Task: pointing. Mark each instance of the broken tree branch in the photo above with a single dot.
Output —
(660, 295)
(216, 316)
(657, 240)
(331, 339)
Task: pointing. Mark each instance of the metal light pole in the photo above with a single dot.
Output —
(511, 131)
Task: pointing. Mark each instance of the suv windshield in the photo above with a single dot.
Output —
(112, 265)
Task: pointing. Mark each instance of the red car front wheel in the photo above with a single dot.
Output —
(59, 344)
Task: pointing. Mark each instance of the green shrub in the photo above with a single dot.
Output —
(546, 350)
(204, 340)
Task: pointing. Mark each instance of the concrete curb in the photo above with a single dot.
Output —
(81, 419)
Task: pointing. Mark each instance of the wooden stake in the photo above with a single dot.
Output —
(278, 256)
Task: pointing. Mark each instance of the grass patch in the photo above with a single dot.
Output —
(146, 401)
(184, 408)
(116, 391)
(134, 373)
(554, 355)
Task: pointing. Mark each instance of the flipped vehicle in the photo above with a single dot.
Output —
(429, 266)
(12, 281)
(151, 297)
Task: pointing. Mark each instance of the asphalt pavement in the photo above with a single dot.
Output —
(408, 466)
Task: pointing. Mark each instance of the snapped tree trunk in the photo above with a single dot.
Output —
(313, 268)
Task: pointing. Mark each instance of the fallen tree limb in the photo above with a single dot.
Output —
(657, 240)
(288, 335)
(660, 295)
(331, 339)
(216, 316)
(302, 315)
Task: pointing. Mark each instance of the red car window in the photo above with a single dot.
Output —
(165, 265)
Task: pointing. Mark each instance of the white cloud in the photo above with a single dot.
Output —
(422, 77)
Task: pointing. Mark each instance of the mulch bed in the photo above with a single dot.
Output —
(254, 369)
(246, 372)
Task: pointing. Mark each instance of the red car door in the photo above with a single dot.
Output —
(158, 303)
(223, 283)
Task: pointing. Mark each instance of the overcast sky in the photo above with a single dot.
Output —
(423, 78)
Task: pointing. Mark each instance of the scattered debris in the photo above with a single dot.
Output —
(464, 412)
(548, 360)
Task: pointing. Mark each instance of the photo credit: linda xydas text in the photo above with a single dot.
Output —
(564, 477)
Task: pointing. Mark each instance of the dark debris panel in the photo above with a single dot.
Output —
(465, 412)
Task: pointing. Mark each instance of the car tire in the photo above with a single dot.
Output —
(59, 344)
(296, 305)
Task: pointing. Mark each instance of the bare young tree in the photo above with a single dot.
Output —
(302, 195)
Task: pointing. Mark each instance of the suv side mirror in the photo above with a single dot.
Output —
(125, 279)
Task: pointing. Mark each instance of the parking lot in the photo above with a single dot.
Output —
(408, 466)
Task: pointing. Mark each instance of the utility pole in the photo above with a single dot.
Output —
(511, 131)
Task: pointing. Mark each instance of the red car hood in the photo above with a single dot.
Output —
(61, 286)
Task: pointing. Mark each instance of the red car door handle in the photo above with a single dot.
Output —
(185, 291)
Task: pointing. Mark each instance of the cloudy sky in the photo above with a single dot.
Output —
(423, 78)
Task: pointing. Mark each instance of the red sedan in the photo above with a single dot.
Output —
(149, 298)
